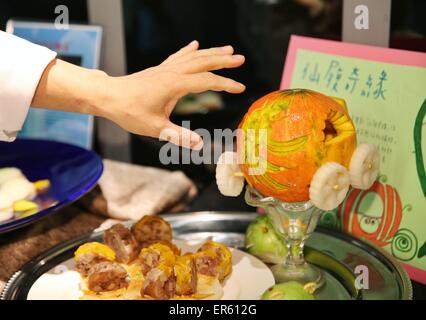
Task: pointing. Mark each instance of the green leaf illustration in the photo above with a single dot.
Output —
(421, 172)
(422, 251)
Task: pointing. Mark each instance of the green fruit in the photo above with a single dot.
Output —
(291, 290)
(263, 242)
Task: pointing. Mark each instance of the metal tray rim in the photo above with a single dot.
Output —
(178, 218)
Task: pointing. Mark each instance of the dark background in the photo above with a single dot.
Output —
(259, 29)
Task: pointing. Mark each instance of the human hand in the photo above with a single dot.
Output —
(142, 102)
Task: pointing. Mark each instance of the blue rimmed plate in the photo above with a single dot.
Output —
(72, 171)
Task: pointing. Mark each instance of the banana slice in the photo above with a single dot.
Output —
(364, 166)
(329, 186)
(229, 178)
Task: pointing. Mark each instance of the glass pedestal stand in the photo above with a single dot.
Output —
(294, 222)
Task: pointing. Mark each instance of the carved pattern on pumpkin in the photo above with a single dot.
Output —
(305, 129)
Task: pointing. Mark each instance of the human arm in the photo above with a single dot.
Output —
(141, 102)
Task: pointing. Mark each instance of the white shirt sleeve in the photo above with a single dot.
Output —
(21, 65)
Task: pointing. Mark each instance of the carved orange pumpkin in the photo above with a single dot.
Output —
(303, 129)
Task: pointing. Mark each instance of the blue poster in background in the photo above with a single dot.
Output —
(78, 44)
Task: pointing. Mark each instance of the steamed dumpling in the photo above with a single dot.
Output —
(6, 201)
(10, 173)
(18, 189)
(6, 211)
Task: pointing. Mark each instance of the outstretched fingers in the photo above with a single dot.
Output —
(204, 81)
(181, 136)
(190, 53)
(209, 63)
(191, 47)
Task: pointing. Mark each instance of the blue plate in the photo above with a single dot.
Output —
(72, 171)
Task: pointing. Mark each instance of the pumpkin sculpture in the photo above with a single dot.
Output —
(304, 129)
(298, 145)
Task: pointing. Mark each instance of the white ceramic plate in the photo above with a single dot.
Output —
(63, 282)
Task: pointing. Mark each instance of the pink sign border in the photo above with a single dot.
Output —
(386, 55)
(393, 56)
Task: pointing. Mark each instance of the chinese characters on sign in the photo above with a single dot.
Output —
(352, 81)
(344, 80)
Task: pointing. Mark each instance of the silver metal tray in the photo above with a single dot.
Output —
(387, 279)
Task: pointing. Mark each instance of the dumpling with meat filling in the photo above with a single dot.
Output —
(159, 283)
(152, 228)
(156, 255)
(90, 254)
(107, 276)
(122, 241)
(169, 244)
(214, 259)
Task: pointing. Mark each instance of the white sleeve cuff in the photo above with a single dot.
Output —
(21, 65)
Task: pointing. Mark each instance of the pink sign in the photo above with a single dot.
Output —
(385, 90)
(393, 56)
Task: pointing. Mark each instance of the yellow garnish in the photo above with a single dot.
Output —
(310, 287)
(41, 185)
(223, 252)
(95, 247)
(20, 215)
(184, 268)
(21, 206)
